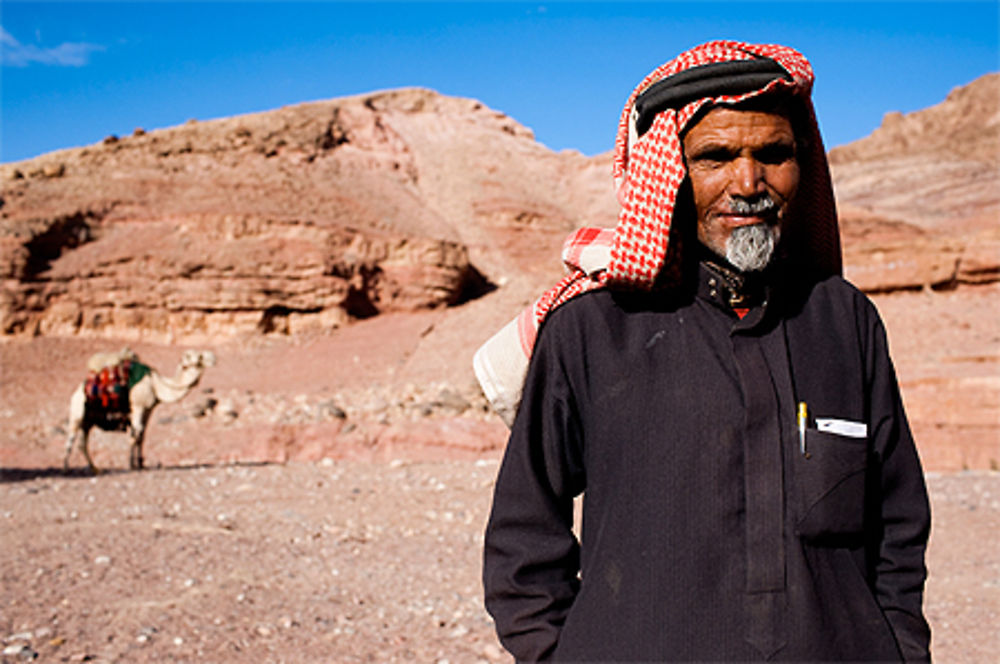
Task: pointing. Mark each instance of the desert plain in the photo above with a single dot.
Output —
(320, 494)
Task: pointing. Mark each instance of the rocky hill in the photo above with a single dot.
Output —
(313, 215)
(345, 258)
(300, 218)
(920, 197)
(310, 216)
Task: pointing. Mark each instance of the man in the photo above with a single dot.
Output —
(724, 401)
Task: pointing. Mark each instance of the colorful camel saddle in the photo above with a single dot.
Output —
(107, 390)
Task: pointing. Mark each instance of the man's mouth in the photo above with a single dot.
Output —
(746, 212)
(733, 219)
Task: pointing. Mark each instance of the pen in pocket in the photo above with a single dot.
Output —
(803, 422)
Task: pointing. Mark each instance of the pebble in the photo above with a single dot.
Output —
(22, 651)
(145, 634)
(102, 560)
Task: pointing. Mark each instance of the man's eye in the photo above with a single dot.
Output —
(713, 156)
(775, 154)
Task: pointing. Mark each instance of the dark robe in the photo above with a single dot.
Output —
(707, 533)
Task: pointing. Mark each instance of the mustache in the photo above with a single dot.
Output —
(752, 205)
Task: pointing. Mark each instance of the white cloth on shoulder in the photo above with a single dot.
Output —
(501, 363)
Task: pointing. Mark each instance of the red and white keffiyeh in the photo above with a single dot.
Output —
(648, 172)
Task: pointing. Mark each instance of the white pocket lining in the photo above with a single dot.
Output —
(842, 427)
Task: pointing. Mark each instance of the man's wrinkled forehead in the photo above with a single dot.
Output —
(781, 105)
(729, 125)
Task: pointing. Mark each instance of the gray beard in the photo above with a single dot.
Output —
(751, 248)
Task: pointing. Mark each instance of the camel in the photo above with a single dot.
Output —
(143, 396)
(103, 359)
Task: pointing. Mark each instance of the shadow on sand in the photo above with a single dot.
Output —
(11, 475)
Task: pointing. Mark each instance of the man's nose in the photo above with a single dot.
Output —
(747, 177)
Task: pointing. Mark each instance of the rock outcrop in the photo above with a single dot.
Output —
(294, 219)
(310, 216)
(250, 234)
(920, 197)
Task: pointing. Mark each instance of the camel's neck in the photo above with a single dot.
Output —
(173, 389)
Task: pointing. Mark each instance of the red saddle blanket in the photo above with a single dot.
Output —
(107, 390)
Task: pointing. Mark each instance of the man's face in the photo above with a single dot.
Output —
(737, 160)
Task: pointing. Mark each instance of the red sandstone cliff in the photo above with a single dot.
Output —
(920, 197)
(313, 215)
(357, 251)
(294, 219)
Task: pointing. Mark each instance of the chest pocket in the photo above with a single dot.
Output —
(830, 487)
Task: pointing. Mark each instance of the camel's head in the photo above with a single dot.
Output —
(197, 359)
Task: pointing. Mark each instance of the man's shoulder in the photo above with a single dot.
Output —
(588, 306)
(835, 298)
(605, 304)
(598, 314)
(837, 287)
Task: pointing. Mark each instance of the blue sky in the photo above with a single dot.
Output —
(75, 72)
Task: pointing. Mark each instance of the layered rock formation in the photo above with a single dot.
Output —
(313, 215)
(920, 197)
(417, 225)
(295, 219)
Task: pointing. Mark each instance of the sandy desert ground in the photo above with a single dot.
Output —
(334, 561)
(321, 495)
(268, 530)
(359, 546)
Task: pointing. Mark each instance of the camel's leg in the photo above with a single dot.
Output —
(84, 435)
(70, 439)
(135, 454)
(139, 420)
(79, 427)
